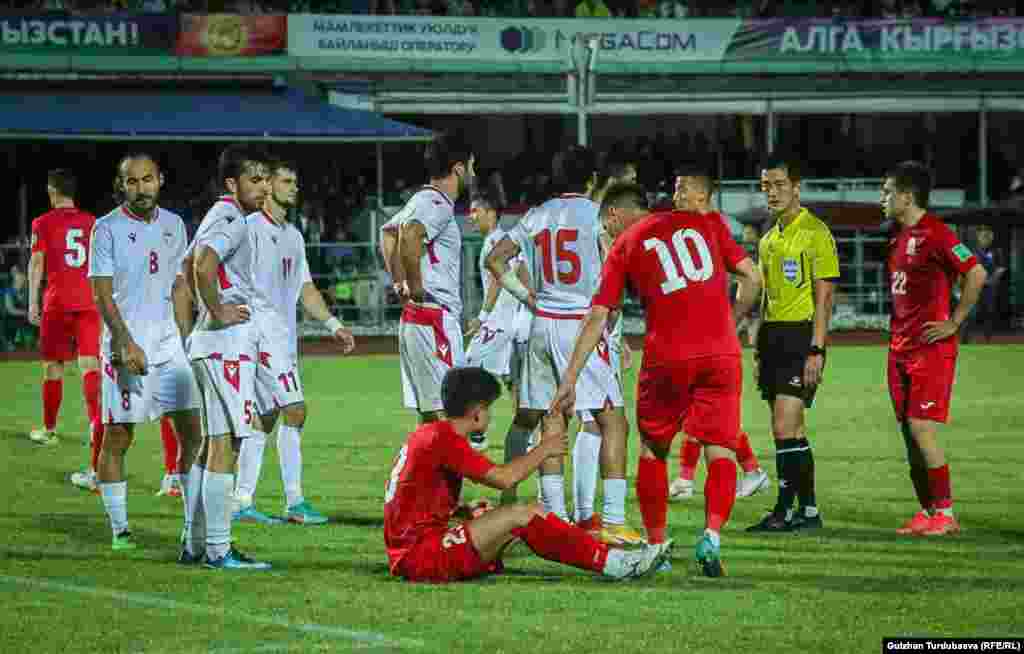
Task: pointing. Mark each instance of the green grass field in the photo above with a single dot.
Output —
(842, 590)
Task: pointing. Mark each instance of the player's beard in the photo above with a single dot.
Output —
(142, 204)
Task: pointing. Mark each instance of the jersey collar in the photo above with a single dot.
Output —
(799, 217)
(429, 187)
(270, 219)
(230, 200)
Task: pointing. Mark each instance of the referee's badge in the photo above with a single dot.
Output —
(790, 269)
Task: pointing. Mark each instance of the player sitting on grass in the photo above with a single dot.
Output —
(423, 495)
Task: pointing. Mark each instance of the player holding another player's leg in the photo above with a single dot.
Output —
(493, 331)
(67, 319)
(691, 378)
(223, 347)
(422, 247)
(135, 269)
(560, 242)
(282, 279)
(423, 491)
(925, 260)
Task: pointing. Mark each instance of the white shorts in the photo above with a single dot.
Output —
(552, 340)
(132, 399)
(227, 389)
(429, 345)
(277, 378)
(491, 349)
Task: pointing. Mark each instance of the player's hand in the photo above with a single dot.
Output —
(233, 314)
(554, 437)
(346, 339)
(627, 356)
(479, 508)
(401, 290)
(34, 315)
(814, 366)
(531, 301)
(939, 330)
(472, 328)
(133, 358)
(565, 398)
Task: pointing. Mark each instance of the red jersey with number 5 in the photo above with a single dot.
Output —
(677, 262)
(924, 262)
(425, 483)
(63, 235)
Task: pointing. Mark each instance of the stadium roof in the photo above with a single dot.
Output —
(272, 115)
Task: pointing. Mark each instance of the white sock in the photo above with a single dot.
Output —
(615, 564)
(194, 536)
(553, 495)
(716, 538)
(250, 464)
(216, 502)
(289, 451)
(614, 502)
(115, 501)
(586, 455)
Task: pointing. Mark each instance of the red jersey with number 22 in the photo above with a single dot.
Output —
(63, 236)
(425, 483)
(924, 262)
(677, 262)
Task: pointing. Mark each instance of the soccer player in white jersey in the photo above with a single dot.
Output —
(493, 331)
(223, 347)
(422, 245)
(560, 242)
(135, 260)
(281, 275)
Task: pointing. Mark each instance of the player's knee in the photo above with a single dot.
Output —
(53, 370)
(88, 364)
(783, 427)
(295, 415)
(116, 440)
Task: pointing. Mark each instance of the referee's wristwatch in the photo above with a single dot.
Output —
(817, 349)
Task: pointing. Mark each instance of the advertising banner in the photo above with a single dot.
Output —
(231, 35)
(101, 34)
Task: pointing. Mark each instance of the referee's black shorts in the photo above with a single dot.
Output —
(782, 349)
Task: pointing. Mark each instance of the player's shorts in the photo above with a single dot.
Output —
(782, 349)
(921, 383)
(131, 399)
(552, 339)
(698, 396)
(444, 556)
(491, 349)
(277, 378)
(61, 333)
(429, 345)
(226, 390)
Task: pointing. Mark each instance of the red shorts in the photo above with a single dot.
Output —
(62, 332)
(921, 383)
(698, 396)
(444, 556)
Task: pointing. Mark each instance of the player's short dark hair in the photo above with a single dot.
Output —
(444, 151)
(697, 171)
(465, 388)
(233, 160)
(486, 197)
(624, 195)
(786, 162)
(574, 167)
(275, 165)
(64, 180)
(913, 177)
(617, 163)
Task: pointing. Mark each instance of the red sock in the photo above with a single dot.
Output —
(91, 392)
(689, 455)
(652, 494)
(556, 540)
(53, 393)
(96, 444)
(170, 440)
(745, 455)
(942, 491)
(719, 493)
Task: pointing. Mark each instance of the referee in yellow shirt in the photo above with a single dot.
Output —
(800, 268)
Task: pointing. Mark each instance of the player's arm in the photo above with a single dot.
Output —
(36, 266)
(411, 237)
(183, 303)
(590, 334)
(497, 264)
(207, 263)
(389, 232)
(122, 345)
(973, 283)
(554, 442)
(749, 291)
(825, 261)
(315, 306)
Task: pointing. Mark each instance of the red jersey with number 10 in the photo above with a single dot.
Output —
(425, 483)
(677, 264)
(924, 262)
(63, 236)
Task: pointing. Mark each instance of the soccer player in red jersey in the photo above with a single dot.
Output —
(925, 260)
(67, 319)
(422, 497)
(691, 379)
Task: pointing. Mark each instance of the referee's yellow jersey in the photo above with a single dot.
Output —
(791, 259)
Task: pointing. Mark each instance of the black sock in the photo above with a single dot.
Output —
(918, 468)
(805, 483)
(787, 469)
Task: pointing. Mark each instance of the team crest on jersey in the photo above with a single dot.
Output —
(231, 374)
(790, 269)
(911, 246)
